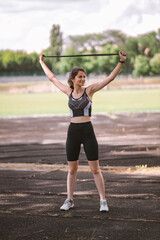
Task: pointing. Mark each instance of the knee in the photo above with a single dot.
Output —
(95, 171)
(72, 171)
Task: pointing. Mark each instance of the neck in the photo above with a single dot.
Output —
(78, 89)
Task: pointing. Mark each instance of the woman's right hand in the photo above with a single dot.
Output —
(41, 58)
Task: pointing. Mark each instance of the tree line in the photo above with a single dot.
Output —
(143, 54)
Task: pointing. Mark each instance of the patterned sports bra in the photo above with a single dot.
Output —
(80, 106)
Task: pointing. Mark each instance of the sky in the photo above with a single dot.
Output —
(26, 24)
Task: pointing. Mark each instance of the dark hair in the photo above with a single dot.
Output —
(73, 74)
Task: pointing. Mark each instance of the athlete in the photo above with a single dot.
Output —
(80, 130)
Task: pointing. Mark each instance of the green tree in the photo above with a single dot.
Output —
(148, 40)
(19, 62)
(35, 67)
(22, 62)
(158, 40)
(107, 63)
(141, 66)
(87, 41)
(115, 37)
(155, 64)
(91, 65)
(132, 51)
(9, 61)
(56, 43)
(66, 64)
(95, 40)
(1, 62)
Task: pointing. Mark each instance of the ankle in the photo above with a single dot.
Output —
(70, 199)
(103, 199)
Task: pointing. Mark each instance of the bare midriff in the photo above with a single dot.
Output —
(80, 119)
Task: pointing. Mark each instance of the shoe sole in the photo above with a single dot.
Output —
(105, 210)
(66, 209)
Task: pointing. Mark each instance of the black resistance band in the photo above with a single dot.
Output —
(85, 55)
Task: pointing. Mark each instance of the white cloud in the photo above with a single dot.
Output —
(26, 24)
(13, 6)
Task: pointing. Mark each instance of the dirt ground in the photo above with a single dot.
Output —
(33, 171)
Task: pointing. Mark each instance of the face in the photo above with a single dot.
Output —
(79, 79)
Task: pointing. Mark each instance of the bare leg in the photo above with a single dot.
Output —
(98, 177)
(71, 178)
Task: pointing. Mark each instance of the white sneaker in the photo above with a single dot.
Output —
(68, 203)
(103, 206)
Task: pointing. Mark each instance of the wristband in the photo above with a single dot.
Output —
(122, 61)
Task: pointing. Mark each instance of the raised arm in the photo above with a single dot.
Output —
(62, 87)
(101, 84)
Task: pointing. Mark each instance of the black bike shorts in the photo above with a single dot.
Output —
(81, 133)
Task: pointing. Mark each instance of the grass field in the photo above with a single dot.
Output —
(109, 101)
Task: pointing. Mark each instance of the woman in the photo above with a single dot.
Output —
(80, 130)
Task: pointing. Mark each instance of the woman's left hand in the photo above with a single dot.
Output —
(123, 56)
